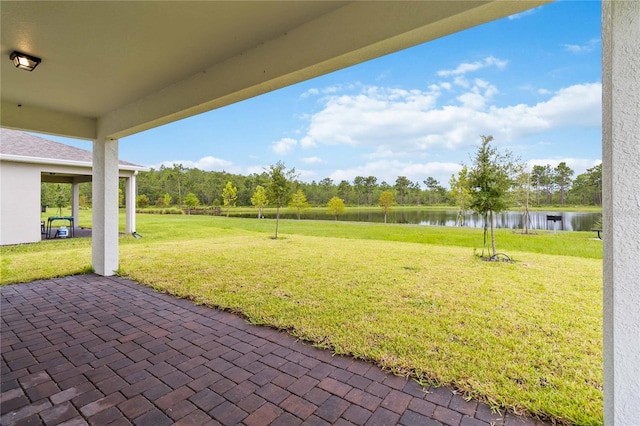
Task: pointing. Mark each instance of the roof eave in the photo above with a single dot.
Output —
(60, 162)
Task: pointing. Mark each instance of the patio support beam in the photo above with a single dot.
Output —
(130, 196)
(621, 210)
(104, 242)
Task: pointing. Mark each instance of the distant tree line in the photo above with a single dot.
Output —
(169, 186)
(191, 187)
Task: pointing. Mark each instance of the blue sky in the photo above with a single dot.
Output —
(533, 81)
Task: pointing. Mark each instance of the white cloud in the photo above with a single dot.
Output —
(467, 67)
(577, 105)
(310, 92)
(329, 90)
(284, 146)
(306, 175)
(409, 122)
(332, 89)
(307, 142)
(256, 169)
(313, 160)
(523, 14)
(208, 163)
(582, 48)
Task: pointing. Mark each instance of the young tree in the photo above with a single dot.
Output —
(489, 183)
(191, 201)
(460, 193)
(61, 197)
(120, 198)
(259, 199)
(336, 207)
(279, 188)
(386, 202)
(142, 201)
(299, 202)
(166, 199)
(229, 196)
(83, 201)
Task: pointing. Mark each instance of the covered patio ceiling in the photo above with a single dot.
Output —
(115, 68)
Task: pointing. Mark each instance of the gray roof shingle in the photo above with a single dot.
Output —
(14, 142)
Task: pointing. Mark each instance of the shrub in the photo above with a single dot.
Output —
(171, 210)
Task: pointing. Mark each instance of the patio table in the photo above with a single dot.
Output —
(52, 219)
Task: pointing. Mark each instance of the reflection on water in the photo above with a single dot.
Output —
(571, 221)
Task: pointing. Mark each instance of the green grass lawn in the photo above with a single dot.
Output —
(415, 300)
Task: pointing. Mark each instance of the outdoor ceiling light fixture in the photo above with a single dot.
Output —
(24, 61)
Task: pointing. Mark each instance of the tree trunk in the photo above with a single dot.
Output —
(493, 237)
(277, 220)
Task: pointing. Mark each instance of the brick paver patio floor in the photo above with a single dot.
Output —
(94, 350)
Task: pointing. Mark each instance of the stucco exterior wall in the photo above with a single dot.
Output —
(19, 203)
(621, 210)
(20, 196)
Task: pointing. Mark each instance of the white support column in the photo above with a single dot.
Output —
(104, 231)
(75, 201)
(621, 210)
(130, 195)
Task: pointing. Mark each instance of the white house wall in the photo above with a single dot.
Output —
(20, 203)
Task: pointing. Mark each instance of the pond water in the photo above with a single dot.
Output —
(571, 221)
